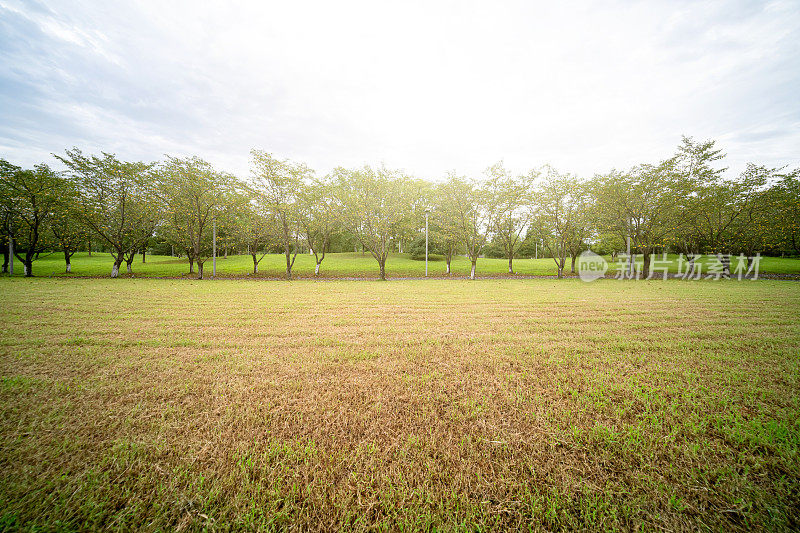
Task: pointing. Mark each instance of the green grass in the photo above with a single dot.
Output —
(335, 265)
(491, 405)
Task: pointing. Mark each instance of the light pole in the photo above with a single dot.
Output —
(427, 211)
(630, 258)
(214, 246)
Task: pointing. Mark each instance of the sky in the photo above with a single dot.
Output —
(426, 86)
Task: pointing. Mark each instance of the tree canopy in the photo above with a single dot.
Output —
(684, 203)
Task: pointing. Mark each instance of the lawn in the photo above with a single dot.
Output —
(339, 265)
(497, 404)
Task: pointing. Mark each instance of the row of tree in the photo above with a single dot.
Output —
(681, 204)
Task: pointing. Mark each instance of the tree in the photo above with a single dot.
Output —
(257, 230)
(443, 227)
(6, 222)
(722, 215)
(278, 185)
(30, 198)
(693, 160)
(754, 230)
(195, 195)
(5, 236)
(115, 201)
(608, 243)
(581, 226)
(375, 206)
(68, 230)
(561, 206)
(646, 204)
(709, 205)
(419, 197)
(784, 212)
(317, 219)
(510, 203)
(464, 212)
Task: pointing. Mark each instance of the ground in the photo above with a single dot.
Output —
(449, 404)
(341, 265)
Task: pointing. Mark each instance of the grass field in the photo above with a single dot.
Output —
(336, 265)
(531, 404)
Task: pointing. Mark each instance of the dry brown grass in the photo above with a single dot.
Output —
(403, 405)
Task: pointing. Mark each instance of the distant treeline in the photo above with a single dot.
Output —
(182, 206)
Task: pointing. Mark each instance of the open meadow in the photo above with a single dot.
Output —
(531, 404)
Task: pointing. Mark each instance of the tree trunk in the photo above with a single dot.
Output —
(115, 268)
(27, 265)
(472, 270)
(646, 265)
(560, 271)
(129, 263)
(255, 264)
(383, 269)
(447, 260)
(144, 255)
(725, 260)
(690, 267)
(511, 264)
(574, 257)
(288, 263)
(226, 252)
(191, 265)
(5, 259)
(90, 247)
(199, 270)
(316, 269)
(67, 257)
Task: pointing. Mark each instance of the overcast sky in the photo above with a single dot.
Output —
(424, 86)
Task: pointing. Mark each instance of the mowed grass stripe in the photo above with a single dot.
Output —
(158, 404)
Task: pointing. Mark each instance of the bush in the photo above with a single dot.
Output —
(417, 249)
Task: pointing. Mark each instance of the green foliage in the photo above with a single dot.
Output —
(464, 216)
(196, 197)
(116, 200)
(416, 250)
(511, 201)
(783, 213)
(30, 200)
(376, 206)
(682, 204)
(562, 215)
(277, 186)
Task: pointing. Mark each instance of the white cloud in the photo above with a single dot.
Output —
(420, 85)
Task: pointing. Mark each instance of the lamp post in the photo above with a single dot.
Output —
(427, 211)
(214, 246)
